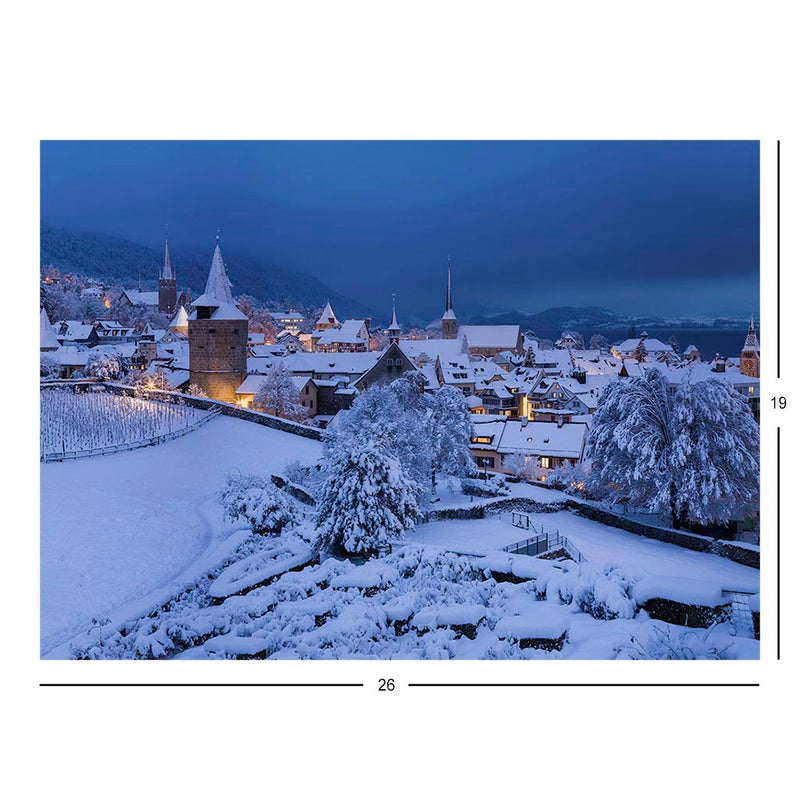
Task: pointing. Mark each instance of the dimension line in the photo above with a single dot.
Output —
(219, 685)
(778, 528)
(609, 685)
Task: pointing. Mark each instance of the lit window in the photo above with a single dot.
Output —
(545, 462)
(751, 390)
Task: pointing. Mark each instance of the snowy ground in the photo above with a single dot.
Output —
(116, 527)
(599, 544)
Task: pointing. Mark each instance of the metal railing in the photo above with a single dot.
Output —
(123, 446)
(543, 542)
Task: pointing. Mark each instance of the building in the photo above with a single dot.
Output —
(351, 337)
(548, 445)
(750, 358)
(653, 347)
(449, 321)
(389, 366)
(47, 337)
(291, 320)
(217, 337)
(327, 319)
(167, 289)
(489, 340)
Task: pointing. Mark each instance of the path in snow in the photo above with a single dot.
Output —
(113, 528)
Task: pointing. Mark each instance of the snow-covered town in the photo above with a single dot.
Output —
(223, 479)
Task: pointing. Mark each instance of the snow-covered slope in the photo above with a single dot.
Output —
(113, 528)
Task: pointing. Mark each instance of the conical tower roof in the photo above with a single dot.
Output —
(218, 291)
(327, 316)
(47, 336)
(393, 326)
(448, 303)
(751, 340)
(180, 320)
(167, 273)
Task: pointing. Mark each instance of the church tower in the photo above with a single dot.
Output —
(217, 337)
(750, 358)
(394, 329)
(449, 321)
(167, 291)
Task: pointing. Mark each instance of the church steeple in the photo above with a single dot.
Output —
(394, 329)
(166, 273)
(449, 322)
(167, 288)
(750, 357)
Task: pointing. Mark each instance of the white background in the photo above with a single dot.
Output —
(389, 70)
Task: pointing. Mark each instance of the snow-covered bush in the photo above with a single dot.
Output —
(145, 382)
(48, 367)
(448, 434)
(669, 644)
(521, 466)
(258, 502)
(104, 364)
(309, 477)
(602, 593)
(195, 391)
(495, 486)
(569, 478)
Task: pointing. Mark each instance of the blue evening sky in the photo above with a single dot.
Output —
(639, 227)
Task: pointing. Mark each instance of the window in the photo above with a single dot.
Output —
(482, 439)
(545, 461)
(751, 390)
(485, 461)
(212, 330)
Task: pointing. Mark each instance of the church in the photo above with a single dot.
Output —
(166, 299)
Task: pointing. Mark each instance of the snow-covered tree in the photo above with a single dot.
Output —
(48, 367)
(449, 433)
(640, 351)
(104, 364)
(692, 454)
(530, 358)
(673, 343)
(259, 502)
(521, 466)
(195, 391)
(717, 450)
(149, 381)
(278, 395)
(367, 499)
(598, 342)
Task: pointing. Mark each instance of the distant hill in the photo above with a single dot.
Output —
(115, 260)
(561, 317)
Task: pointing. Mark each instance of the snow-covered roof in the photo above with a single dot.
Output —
(449, 314)
(332, 363)
(353, 331)
(181, 319)
(504, 337)
(651, 345)
(142, 298)
(47, 337)
(75, 331)
(327, 317)
(543, 438)
(443, 348)
(71, 356)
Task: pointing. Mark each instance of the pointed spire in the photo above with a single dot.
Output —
(166, 273)
(47, 336)
(218, 285)
(394, 329)
(449, 302)
(751, 340)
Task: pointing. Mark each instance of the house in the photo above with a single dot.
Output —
(306, 390)
(352, 337)
(70, 332)
(109, 331)
(291, 320)
(653, 347)
(489, 340)
(547, 445)
(391, 363)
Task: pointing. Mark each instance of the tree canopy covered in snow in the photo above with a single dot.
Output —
(278, 395)
(102, 364)
(692, 452)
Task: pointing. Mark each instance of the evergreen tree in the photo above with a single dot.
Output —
(598, 342)
(640, 352)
